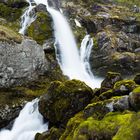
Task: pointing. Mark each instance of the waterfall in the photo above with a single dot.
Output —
(74, 63)
(27, 18)
(28, 123)
(85, 51)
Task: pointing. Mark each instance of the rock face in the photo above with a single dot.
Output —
(21, 62)
(11, 102)
(115, 35)
(63, 100)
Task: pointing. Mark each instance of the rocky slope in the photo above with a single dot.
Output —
(115, 30)
(110, 112)
(27, 66)
(28, 69)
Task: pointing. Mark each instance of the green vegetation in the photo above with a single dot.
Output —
(10, 14)
(40, 30)
(6, 34)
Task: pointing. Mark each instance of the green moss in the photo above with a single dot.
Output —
(137, 90)
(40, 30)
(95, 41)
(10, 14)
(71, 126)
(52, 134)
(106, 95)
(131, 129)
(113, 124)
(125, 85)
(63, 100)
(6, 34)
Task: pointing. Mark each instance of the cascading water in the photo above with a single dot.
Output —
(73, 63)
(85, 51)
(28, 123)
(27, 18)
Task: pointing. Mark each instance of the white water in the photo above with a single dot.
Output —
(28, 123)
(85, 51)
(74, 63)
(27, 18)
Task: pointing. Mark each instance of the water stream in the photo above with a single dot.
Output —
(73, 62)
(27, 124)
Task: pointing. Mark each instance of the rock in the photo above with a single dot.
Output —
(8, 114)
(48, 46)
(98, 109)
(137, 79)
(11, 102)
(40, 8)
(63, 100)
(40, 30)
(54, 3)
(9, 13)
(112, 126)
(109, 81)
(120, 88)
(20, 62)
(121, 104)
(134, 98)
(124, 87)
(52, 134)
(15, 3)
(115, 35)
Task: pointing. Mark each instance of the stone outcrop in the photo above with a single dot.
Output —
(63, 100)
(22, 60)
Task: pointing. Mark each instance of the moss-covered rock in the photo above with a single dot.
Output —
(124, 87)
(109, 81)
(52, 134)
(63, 100)
(9, 13)
(113, 126)
(135, 98)
(40, 30)
(120, 88)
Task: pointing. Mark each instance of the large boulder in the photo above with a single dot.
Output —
(63, 100)
(20, 62)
